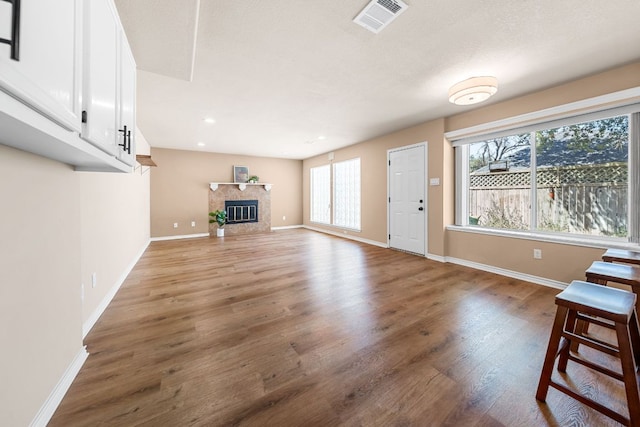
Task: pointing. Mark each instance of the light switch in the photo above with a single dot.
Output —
(434, 181)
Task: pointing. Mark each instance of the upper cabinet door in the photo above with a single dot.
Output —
(127, 103)
(46, 75)
(100, 90)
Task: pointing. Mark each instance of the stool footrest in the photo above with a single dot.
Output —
(596, 321)
(592, 403)
(597, 367)
(593, 343)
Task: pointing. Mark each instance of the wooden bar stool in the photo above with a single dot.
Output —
(614, 309)
(621, 255)
(602, 272)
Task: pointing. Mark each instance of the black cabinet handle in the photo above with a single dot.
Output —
(126, 139)
(420, 208)
(14, 42)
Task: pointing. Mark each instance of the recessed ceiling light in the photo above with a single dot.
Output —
(209, 120)
(322, 137)
(201, 144)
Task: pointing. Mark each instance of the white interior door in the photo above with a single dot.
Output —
(407, 203)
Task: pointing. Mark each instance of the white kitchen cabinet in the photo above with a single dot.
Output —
(127, 103)
(109, 83)
(47, 74)
(100, 79)
(72, 87)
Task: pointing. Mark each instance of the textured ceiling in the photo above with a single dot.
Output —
(276, 75)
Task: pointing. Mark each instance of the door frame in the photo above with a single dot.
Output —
(425, 144)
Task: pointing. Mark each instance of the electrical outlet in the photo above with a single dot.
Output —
(537, 253)
(175, 225)
(284, 218)
(193, 223)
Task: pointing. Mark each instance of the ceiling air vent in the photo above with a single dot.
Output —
(379, 13)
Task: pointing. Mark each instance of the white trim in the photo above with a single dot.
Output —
(95, 315)
(438, 258)
(347, 236)
(564, 239)
(508, 273)
(182, 236)
(49, 407)
(286, 227)
(585, 106)
(241, 185)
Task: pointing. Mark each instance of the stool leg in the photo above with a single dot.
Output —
(629, 372)
(565, 343)
(634, 331)
(552, 349)
(581, 328)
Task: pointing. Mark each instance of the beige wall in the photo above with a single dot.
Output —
(115, 210)
(57, 226)
(373, 163)
(560, 262)
(40, 306)
(180, 188)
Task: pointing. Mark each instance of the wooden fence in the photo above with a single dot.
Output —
(576, 199)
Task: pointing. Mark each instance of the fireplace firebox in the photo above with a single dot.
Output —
(241, 211)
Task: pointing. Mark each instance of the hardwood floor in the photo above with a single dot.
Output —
(299, 328)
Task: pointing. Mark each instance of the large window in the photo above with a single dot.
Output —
(571, 177)
(346, 194)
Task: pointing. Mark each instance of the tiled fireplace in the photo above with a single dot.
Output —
(248, 210)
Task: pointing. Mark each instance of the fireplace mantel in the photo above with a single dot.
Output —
(241, 185)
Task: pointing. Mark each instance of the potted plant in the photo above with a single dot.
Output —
(219, 217)
(253, 179)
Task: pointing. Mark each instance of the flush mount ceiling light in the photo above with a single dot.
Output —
(473, 90)
(209, 120)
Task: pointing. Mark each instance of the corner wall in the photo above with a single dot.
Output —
(561, 262)
(373, 164)
(180, 188)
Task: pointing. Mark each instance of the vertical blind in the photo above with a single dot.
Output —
(346, 191)
(321, 194)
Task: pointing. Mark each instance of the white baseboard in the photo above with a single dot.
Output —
(508, 273)
(286, 227)
(438, 258)
(49, 407)
(347, 236)
(182, 236)
(93, 318)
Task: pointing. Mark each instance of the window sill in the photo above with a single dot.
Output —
(588, 242)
